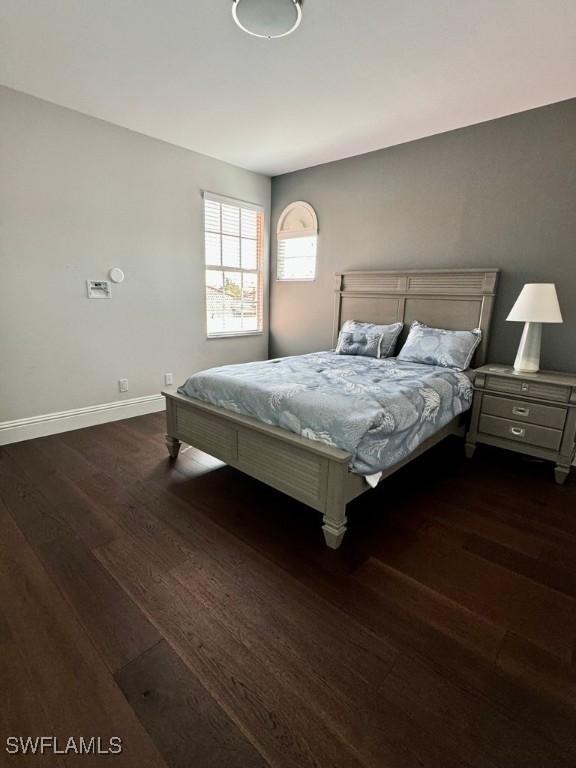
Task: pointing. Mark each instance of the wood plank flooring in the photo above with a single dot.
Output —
(196, 613)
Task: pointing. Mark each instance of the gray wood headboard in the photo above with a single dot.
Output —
(443, 298)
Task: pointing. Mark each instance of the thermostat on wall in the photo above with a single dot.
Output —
(98, 289)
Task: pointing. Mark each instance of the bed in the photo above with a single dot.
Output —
(263, 418)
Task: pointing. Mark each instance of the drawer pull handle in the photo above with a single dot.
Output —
(518, 410)
(517, 431)
(525, 387)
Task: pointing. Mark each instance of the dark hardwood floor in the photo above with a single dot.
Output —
(197, 614)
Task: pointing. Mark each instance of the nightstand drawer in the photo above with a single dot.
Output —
(536, 389)
(519, 432)
(525, 411)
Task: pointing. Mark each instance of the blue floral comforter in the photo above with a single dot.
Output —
(378, 410)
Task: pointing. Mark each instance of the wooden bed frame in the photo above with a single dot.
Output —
(310, 471)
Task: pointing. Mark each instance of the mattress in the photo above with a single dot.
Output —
(379, 411)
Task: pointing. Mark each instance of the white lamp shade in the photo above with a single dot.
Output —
(537, 303)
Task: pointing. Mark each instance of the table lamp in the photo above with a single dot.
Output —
(536, 304)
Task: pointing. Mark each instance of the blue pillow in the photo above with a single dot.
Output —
(436, 346)
(367, 339)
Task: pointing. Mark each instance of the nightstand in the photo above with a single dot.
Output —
(532, 413)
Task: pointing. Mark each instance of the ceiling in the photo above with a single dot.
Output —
(356, 76)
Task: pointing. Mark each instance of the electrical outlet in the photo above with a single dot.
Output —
(168, 379)
(123, 385)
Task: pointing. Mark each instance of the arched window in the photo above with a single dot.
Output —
(297, 234)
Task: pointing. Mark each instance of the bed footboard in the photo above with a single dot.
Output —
(306, 470)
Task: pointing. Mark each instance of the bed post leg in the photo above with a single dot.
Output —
(334, 526)
(469, 449)
(173, 445)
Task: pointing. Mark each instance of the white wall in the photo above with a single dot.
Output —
(77, 197)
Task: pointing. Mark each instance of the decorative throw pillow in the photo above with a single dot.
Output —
(436, 346)
(367, 339)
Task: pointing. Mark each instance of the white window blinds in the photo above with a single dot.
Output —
(233, 251)
(297, 258)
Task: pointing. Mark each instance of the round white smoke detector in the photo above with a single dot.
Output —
(267, 18)
(116, 275)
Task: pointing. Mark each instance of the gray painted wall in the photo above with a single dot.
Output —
(501, 193)
(78, 196)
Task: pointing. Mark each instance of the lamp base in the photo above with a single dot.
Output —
(528, 356)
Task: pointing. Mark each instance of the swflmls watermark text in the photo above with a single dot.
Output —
(81, 745)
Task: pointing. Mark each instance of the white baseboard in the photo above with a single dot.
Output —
(53, 423)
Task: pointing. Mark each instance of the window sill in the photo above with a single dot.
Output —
(233, 335)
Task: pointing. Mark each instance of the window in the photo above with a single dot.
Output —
(297, 238)
(233, 252)
(297, 258)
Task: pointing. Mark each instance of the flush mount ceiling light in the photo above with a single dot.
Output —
(267, 18)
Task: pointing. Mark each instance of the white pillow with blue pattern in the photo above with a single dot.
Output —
(436, 346)
(367, 339)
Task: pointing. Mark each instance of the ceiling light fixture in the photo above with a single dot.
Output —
(267, 18)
